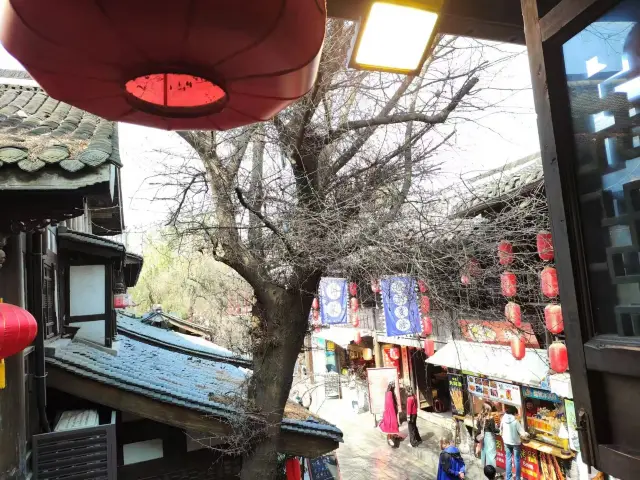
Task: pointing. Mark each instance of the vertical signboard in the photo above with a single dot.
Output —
(405, 367)
(458, 394)
(529, 461)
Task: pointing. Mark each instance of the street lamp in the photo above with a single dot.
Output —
(396, 36)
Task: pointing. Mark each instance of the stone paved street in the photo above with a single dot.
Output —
(365, 455)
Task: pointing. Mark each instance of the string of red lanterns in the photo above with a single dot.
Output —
(355, 307)
(509, 288)
(427, 323)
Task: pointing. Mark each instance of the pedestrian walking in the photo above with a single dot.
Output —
(486, 439)
(511, 431)
(412, 413)
(451, 465)
(389, 424)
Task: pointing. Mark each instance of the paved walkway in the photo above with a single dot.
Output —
(365, 455)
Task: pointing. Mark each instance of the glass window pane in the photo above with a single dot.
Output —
(602, 64)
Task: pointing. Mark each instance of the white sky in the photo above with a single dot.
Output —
(509, 136)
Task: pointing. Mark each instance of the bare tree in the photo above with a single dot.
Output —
(329, 180)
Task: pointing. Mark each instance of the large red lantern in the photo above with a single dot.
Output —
(422, 286)
(553, 318)
(508, 284)
(427, 326)
(353, 289)
(425, 304)
(558, 357)
(355, 305)
(355, 321)
(18, 328)
(517, 347)
(544, 242)
(315, 304)
(505, 252)
(513, 313)
(196, 65)
(394, 353)
(429, 347)
(549, 282)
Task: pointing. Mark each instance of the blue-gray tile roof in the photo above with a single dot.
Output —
(194, 383)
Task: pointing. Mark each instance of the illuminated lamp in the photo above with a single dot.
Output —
(558, 357)
(197, 65)
(396, 36)
(367, 354)
(18, 328)
(508, 284)
(553, 318)
(517, 347)
(429, 347)
(513, 313)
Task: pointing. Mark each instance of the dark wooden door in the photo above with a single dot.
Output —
(585, 63)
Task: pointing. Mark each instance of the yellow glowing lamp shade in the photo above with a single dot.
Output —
(394, 37)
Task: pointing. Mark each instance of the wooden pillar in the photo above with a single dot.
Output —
(12, 398)
(377, 351)
(308, 357)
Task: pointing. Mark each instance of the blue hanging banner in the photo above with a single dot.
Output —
(400, 305)
(333, 301)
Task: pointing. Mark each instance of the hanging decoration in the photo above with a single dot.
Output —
(422, 286)
(429, 347)
(355, 321)
(353, 289)
(505, 252)
(18, 328)
(465, 280)
(400, 306)
(394, 353)
(197, 65)
(518, 347)
(427, 326)
(508, 284)
(558, 357)
(544, 242)
(553, 318)
(333, 301)
(375, 286)
(316, 314)
(315, 304)
(355, 305)
(549, 282)
(358, 338)
(513, 313)
(425, 304)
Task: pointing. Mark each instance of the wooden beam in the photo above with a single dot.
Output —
(291, 443)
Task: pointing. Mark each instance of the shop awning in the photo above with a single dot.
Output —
(494, 361)
(341, 336)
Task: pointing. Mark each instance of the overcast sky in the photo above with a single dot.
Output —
(505, 137)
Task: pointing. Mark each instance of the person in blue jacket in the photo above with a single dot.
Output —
(451, 465)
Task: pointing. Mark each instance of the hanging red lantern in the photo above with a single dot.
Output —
(427, 326)
(355, 305)
(375, 286)
(429, 347)
(394, 353)
(553, 318)
(316, 314)
(355, 321)
(464, 280)
(508, 284)
(513, 313)
(544, 242)
(505, 252)
(353, 289)
(358, 338)
(18, 328)
(549, 282)
(315, 304)
(517, 347)
(425, 304)
(422, 286)
(558, 357)
(198, 65)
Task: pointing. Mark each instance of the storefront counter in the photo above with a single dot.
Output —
(550, 449)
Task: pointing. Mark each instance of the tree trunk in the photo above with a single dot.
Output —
(278, 338)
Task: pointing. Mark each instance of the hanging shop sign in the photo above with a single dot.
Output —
(494, 390)
(333, 300)
(378, 380)
(529, 461)
(388, 360)
(458, 394)
(400, 306)
(538, 394)
(406, 378)
(497, 333)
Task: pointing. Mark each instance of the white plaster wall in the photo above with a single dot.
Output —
(87, 284)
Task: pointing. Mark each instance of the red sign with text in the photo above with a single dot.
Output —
(529, 464)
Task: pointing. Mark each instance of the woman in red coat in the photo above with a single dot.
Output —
(389, 423)
(412, 414)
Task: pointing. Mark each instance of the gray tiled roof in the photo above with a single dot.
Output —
(205, 386)
(39, 133)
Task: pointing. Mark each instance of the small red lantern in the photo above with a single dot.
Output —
(171, 65)
(316, 314)
(508, 284)
(549, 282)
(427, 326)
(425, 304)
(355, 321)
(18, 328)
(394, 353)
(358, 338)
(375, 286)
(517, 347)
(353, 289)
(315, 304)
(513, 313)
(429, 347)
(505, 252)
(422, 286)
(558, 357)
(464, 280)
(553, 318)
(544, 242)
(120, 300)
(355, 305)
